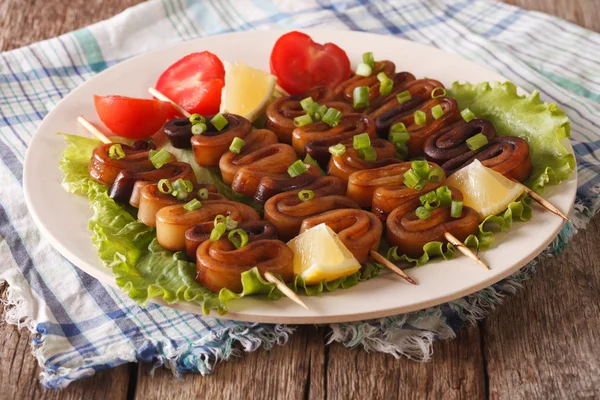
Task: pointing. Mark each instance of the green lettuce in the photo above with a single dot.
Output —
(542, 125)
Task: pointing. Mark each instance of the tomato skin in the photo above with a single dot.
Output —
(131, 117)
(194, 82)
(301, 64)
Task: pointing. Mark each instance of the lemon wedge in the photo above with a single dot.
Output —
(319, 255)
(485, 190)
(247, 92)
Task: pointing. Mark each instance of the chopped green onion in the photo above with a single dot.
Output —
(159, 158)
(183, 185)
(165, 186)
(403, 97)
(194, 204)
(438, 92)
(202, 194)
(320, 113)
(369, 59)
(437, 111)
(399, 137)
(467, 115)
(218, 231)
(230, 223)
(361, 96)
(116, 152)
(411, 178)
(306, 103)
(420, 117)
(444, 194)
(297, 168)
(436, 174)
(243, 238)
(311, 161)
(332, 117)
(364, 70)
(476, 142)
(456, 209)
(422, 213)
(361, 141)
(421, 184)
(303, 120)
(306, 195)
(197, 118)
(237, 145)
(421, 167)
(401, 151)
(219, 219)
(199, 128)
(219, 122)
(337, 150)
(368, 154)
(398, 127)
(381, 77)
(385, 87)
(430, 201)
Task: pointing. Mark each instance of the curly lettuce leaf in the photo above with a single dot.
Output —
(74, 163)
(542, 125)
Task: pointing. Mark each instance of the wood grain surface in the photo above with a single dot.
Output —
(540, 344)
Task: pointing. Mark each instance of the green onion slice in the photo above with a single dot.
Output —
(369, 59)
(438, 92)
(437, 111)
(197, 118)
(243, 240)
(385, 87)
(422, 212)
(476, 142)
(381, 77)
(401, 151)
(183, 185)
(218, 231)
(159, 158)
(303, 120)
(368, 154)
(199, 128)
(403, 97)
(444, 194)
(467, 115)
(361, 141)
(194, 204)
(297, 168)
(165, 186)
(421, 167)
(398, 127)
(230, 223)
(116, 152)
(361, 96)
(320, 112)
(237, 145)
(202, 194)
(411, 178)
(306, 195)
(399, 137)
(306, 103)
(364, 70)
(219, 122)
(337, 150)
(219, 219)
(456, 209)
(436, 174)
(420, 117)
(332, 117)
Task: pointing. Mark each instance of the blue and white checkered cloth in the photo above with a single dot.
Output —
(85, 326)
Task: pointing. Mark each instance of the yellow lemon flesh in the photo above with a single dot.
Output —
(320, 255)
(485, 190)
(247, 92)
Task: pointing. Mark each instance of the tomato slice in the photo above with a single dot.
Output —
(194, 82)
(130, 117)
(301, 64)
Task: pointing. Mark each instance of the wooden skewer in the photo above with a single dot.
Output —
(284, 289)
(464, 249)
(93, 130)
(392, 267)
(162, 97)
(545, 203)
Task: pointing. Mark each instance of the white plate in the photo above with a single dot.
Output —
(63, 217)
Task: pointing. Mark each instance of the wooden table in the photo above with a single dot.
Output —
(543, 343)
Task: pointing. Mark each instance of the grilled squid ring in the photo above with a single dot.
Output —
(315, 139)
(386, 111)
(129, 183)
(173, 221)
(197, 234)
(104, 169)
(380, 104)
(220, 265)
(410, 234)
(281, 113)
(451, 141)
(344, 90)
(152, 200)
(349, 162)
(271, 185)
(359, 230)
(504, 154)
(286, 211)
(261, 156)
(212, 144)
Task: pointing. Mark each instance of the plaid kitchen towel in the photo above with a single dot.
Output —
(85, 326)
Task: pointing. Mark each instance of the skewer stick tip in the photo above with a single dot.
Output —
(464, 249)
(284, 289)
(546, 204)
(392, 267)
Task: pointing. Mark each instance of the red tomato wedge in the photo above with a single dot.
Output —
(194, 82)
(132, 118)
(301, 64)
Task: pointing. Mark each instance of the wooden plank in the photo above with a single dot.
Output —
(585, 13)
(543, 343)
(293, 371)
